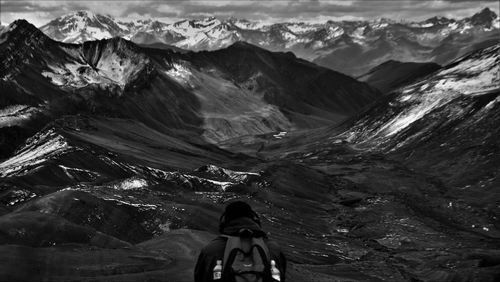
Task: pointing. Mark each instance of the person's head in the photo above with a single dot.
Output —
(236, 210)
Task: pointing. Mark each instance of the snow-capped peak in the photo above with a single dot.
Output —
(82, 26)
(303, 37)
(81, 14)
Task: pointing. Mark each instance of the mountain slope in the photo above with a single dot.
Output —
(392, 74)
(425, 156)
(207, 92)
(306, 94)
(443, 124)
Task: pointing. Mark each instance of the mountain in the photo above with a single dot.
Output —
(440, 124)
(425, 155)
(486, 18)
(83, 26)
(437, 40)
(453, 108)
(118, 165)
(236, 91)
(351, 47)
(393, 74)
(121, 158)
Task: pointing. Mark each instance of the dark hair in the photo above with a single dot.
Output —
(236, 210)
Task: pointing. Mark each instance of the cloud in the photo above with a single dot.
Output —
(42, 11)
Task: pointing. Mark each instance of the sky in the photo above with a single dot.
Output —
(40, 12)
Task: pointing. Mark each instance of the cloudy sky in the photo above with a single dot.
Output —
(41, 11)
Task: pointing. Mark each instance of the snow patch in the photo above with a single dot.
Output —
(249, 25)
(97, 33)
(131, 183)
(474, 74)
(280, 135)
(235, 175)
(72, 171)
(179, 73)
(74, 75)
(128, 203)
(453, 26)
(334, 32)
(16, 114)
(301, 28)
(222, 184)
(37, 150)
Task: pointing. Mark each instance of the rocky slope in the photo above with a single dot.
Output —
(448, 116)
(392, 74)
(352, 47)
(93, 200)
(441, 97)
(441, 126)
(429, 152)
(236, 91)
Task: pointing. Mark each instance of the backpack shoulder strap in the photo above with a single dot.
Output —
(232, 242)
(262, 244)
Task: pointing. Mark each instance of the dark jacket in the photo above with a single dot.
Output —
(214, 251)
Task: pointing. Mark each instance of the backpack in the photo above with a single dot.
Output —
(246, 259)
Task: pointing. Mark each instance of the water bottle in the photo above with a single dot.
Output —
(218, 270)
(275, 272)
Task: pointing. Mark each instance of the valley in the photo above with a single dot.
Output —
(118, 159)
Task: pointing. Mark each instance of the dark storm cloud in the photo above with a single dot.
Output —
(275, 10)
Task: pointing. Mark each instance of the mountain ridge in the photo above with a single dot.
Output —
(368, 43)
(240, 90)
(392, 74)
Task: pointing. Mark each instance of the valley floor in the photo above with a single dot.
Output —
(340, 214)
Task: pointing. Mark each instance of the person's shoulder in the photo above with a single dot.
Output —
(271, 242)
(276, 253)
(272, 245)
(217, 245)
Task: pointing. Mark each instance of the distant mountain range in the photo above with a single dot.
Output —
(351, 47)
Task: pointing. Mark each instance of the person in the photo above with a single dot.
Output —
(241, 243)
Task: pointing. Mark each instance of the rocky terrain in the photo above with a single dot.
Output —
(352, 47)
(240, 90)
(393, 74)
(428, 153)
(119, 160)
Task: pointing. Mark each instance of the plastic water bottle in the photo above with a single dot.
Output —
(275, 272)
(218, 270)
